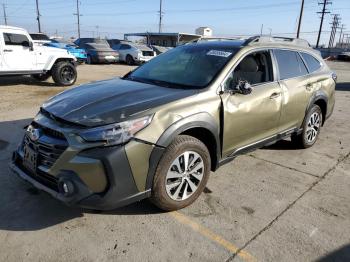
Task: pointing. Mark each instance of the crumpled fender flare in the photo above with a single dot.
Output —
(202, 120)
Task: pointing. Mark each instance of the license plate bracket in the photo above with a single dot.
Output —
(30, 158)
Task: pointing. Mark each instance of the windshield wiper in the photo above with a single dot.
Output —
(155, 82)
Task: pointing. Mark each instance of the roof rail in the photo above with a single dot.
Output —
(276, 39)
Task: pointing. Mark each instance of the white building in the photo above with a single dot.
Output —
(204, 31)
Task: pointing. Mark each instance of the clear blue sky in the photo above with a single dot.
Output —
(225, 17)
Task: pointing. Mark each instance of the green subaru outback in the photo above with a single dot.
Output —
(158, 131)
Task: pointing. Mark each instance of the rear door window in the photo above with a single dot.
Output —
(312, 63)
(290, 64)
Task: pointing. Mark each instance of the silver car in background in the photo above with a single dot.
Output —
(133, 53)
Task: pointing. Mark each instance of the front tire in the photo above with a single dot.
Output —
(182, 174)
(311, 128)
(64, 73)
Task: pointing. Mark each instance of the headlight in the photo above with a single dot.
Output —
(116, 133)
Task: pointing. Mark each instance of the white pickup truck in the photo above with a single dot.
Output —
(19, 56)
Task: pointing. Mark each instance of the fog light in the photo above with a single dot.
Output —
(66, 187)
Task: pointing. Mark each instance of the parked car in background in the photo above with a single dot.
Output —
(84, 40)
(100, 53)
(98, 50)
(20, 56)
(345, 56)
(133, 53)
(40, 38)
(73, 49)
(160, 49)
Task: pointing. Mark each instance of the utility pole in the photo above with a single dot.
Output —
(78, 17)
(335, 26)
(300, 17)
(342, 40)
(160, 16)
(38, 15)
(5, 16)
(341, 32)
(323, 12)
(261, 29)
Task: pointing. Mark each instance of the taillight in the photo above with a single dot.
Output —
(334, 76)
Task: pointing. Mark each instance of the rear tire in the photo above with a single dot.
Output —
(64, 73)
(41, 77)
(310, 130)
(130, 60)
(182, 174)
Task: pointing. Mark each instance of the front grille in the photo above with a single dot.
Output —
(49, 147)
(41, 176)
(48, 131)
(147, 53)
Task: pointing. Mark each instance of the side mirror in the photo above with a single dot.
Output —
(243, 87)
(25, 43)
(28, 44)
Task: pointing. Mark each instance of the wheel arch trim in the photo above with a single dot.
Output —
(200, 120)
(319, 96)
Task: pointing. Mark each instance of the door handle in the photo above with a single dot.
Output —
(275, 95)
(8, 50)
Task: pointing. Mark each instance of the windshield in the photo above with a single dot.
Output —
(193, 66)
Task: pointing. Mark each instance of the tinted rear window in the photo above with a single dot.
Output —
(312, 63)
(290, 64)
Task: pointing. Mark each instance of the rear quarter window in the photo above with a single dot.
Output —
(290, 64)
(312, 63)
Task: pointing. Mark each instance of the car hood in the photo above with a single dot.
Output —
(50, 49)
(110, 101)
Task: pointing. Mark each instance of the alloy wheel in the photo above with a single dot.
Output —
(184, 175)
(67, 74)
(313, 127)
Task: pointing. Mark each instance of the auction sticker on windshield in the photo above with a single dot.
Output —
(219, 53)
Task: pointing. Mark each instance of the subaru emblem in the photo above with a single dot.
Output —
(33, 133)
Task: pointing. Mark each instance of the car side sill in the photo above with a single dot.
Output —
(259, 144)
(9, 73)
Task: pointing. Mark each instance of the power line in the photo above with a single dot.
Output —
(323, 12)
